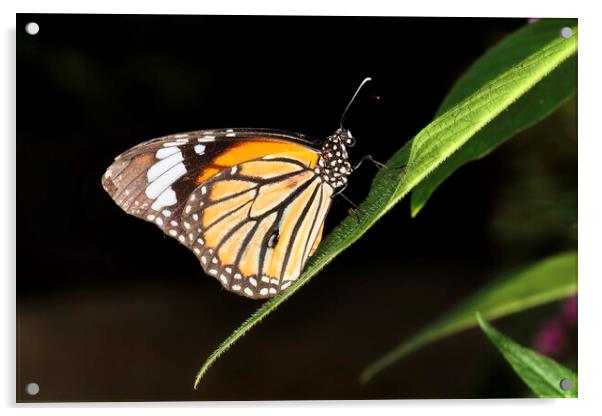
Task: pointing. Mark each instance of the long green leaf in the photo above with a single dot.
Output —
(542, 374)
(414, 161)
(543, 282)
(534, 106)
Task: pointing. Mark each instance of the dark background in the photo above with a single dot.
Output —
(110, 309)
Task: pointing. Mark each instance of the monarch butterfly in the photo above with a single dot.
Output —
(249, 203)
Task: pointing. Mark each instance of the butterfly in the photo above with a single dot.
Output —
(249, 203)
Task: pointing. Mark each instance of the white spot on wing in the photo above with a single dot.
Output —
(199, 148)
(206, 139)
(248, 291)
(154, 189)
(166, 151)
(167, 198)
(163, 166)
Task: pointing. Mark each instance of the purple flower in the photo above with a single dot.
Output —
(569, 311)
(551, 339)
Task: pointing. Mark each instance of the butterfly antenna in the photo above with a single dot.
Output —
(352, 99)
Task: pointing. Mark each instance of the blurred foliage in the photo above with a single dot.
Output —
(544, 179)
(549, 280)
(538, 103)
(539, 187)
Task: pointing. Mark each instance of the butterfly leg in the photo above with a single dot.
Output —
(377, 163)
(340, 191)
(371, 159)
(354, 210)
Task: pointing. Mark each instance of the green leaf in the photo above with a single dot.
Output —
(546, 281)
(414, 161)
(534, 106)
(542, 374)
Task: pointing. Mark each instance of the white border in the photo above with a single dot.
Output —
(590, 206)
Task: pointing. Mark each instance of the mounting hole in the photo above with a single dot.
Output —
(566, 384)
(566, 32)
(32, 389)
(32, 28)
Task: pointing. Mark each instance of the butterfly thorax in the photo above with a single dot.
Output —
(333, 165)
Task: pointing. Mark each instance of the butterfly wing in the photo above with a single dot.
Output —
(254, 226)
(154, 179)
(158, 180)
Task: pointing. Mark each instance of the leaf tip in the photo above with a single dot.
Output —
(414, 211)
(199, 376)
(416, 205)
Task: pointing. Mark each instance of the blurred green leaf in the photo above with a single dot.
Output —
(413, 162)
(546, 281)
(556, 88)
(542, 374)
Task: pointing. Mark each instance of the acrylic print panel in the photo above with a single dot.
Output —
(110, 308)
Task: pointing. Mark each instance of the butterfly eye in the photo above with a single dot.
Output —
(350, 141)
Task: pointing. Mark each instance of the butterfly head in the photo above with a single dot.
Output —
(333, 165)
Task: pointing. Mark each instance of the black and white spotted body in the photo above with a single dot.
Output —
(333, 165)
